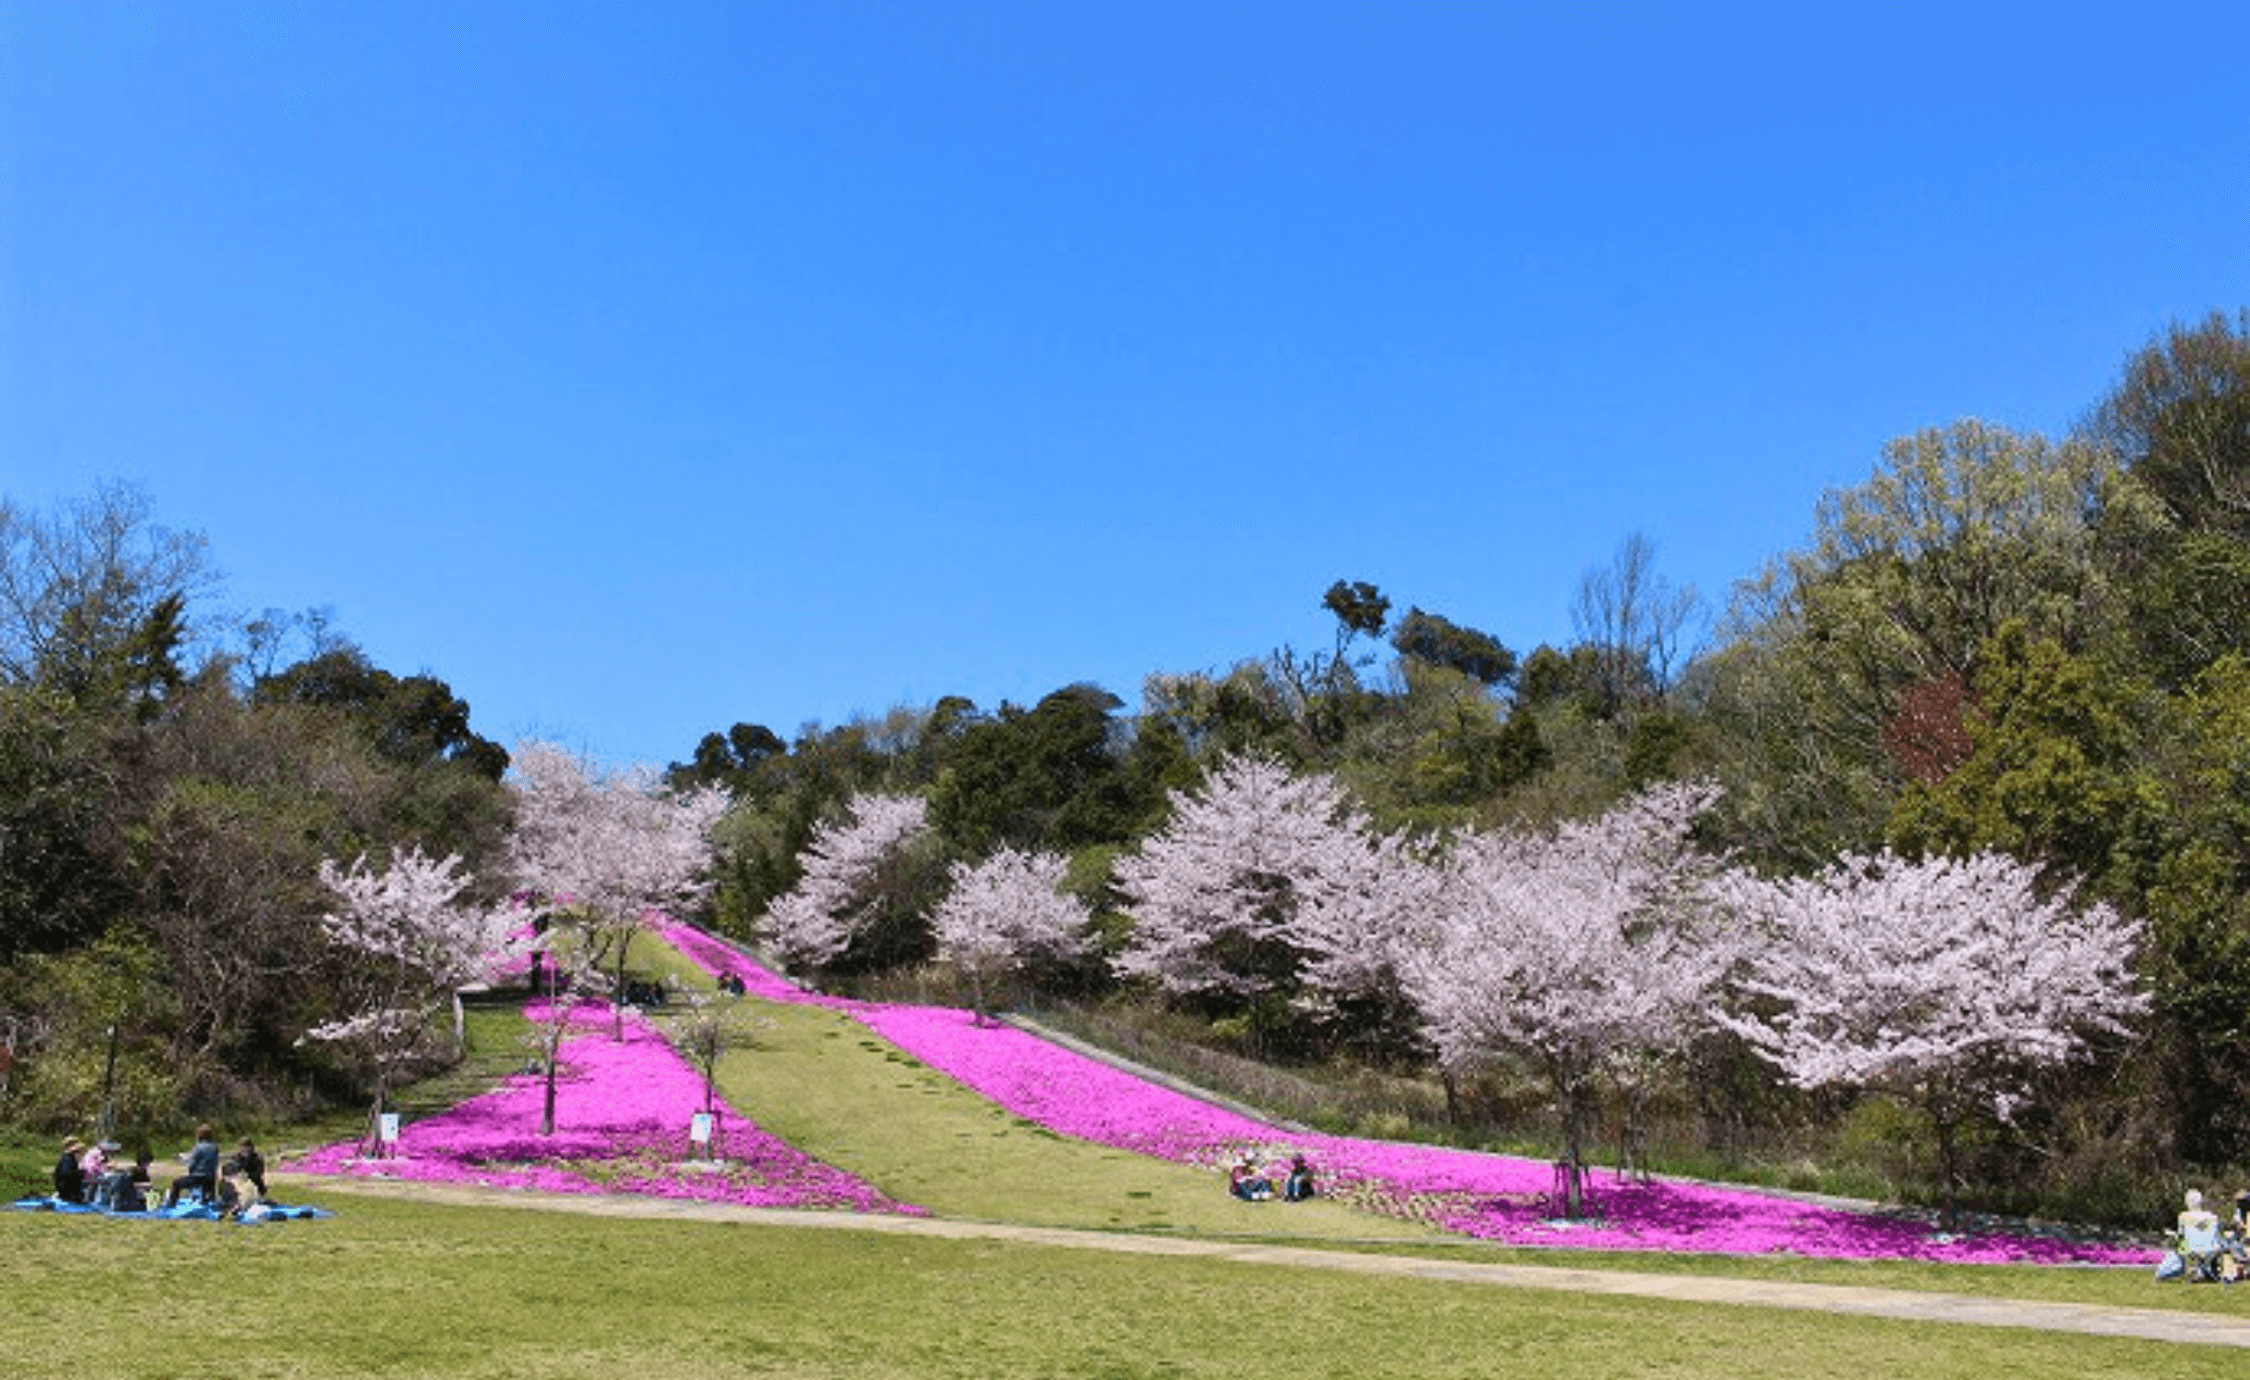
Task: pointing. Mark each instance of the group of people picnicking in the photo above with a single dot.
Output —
(2206, 1248)
(92, 1176)
(1292, 1183)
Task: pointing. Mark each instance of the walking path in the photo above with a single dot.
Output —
(2152, 1324)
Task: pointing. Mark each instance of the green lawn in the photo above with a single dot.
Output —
(392, 1288)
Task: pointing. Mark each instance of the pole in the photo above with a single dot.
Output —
(109, 1081)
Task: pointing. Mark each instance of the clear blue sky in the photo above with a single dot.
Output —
(644, 367)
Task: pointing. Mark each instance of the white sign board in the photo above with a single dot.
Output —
(388, 1130)
(699, 1130)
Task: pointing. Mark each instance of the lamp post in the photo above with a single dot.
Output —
(109, 1082)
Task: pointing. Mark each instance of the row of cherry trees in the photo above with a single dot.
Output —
(1592, 954)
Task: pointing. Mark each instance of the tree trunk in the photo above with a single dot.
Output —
(1942, 1127)
(617, 990)
(374, 1147)
(1571, 1100)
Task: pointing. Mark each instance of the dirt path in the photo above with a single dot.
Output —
(2150, 1324)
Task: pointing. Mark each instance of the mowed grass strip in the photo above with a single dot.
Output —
(842, 1094)
(404, 1289)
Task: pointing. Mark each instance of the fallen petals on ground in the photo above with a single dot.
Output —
(623, 1110)
(1491, 1197)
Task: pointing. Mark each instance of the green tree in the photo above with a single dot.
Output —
(68, 785)
(2053, 773)
(2180, 419)
(94, 599)
(2198, 905)
(1246, 712)
(1438, 641)
(411, 720)
(1056, 777)
(1904, 584)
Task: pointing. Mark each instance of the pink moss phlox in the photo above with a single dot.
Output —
(622, 1112)
(1491, 1197)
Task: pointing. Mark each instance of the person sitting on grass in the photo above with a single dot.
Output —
(202, 1176)
(144, 1182)
(2195, 1217)
(123, 1188)
(1244, 1182)
(251, 1165)
(1299, 1185)
(2199, 1244)
(93, 1164)
(70, 1177)
(230, 1200)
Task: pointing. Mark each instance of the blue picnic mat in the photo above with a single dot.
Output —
(185, 1210)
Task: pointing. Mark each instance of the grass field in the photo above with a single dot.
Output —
(405, 1288)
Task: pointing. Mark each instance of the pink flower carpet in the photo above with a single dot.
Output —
(1491, 1197)
(623, 1109)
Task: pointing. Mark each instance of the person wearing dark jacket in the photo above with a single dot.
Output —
(251, 1165)
(70, 1179)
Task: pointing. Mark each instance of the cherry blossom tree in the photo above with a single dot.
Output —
(1943, 981)
(1004, 912)
(611, 849)
(1213, 892)
(1580, 953)
(1373, 903)
(854, 877)
(420, 943)
(1267, 885)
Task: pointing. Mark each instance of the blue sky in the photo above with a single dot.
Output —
(642, 368)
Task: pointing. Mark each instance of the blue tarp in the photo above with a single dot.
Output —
(187, 1209)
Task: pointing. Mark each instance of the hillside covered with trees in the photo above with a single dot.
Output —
(2001, 651)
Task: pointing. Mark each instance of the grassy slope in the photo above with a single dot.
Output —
(403, 1289)
(828, 1086)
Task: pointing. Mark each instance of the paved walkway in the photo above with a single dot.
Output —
(2153, 1324)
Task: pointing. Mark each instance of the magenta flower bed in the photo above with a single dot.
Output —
(622, 1114)
(1493, 1197)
